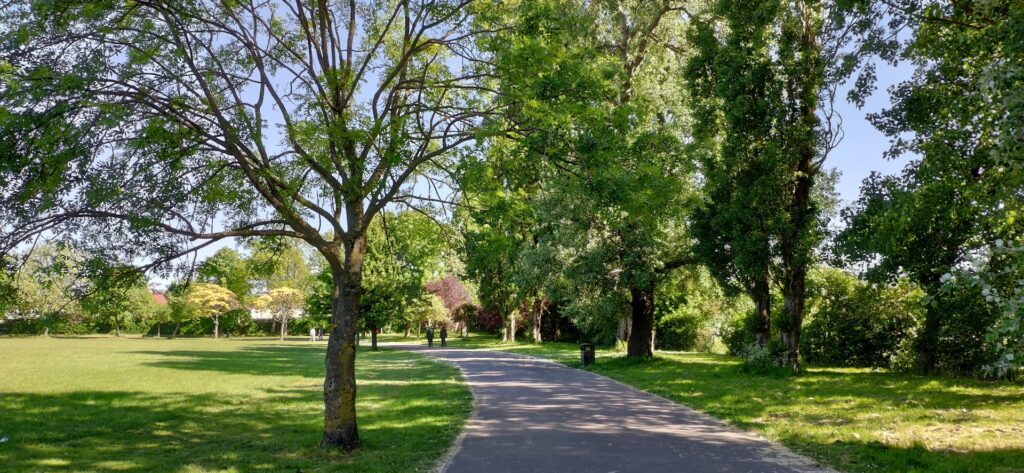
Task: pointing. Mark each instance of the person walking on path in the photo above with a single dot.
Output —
(312, 334)
(444, 335)
(430, 337)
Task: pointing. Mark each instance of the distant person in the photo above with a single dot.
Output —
(444, 336)
(430, 337)
(320, 334)
(312, 334)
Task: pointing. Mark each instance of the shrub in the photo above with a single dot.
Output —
(765, 359)
(680, 330)
(738, 333)
(960, 343)
(851, 323)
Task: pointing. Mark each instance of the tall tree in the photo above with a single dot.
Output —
(729, 86)
(764, 81)
(591, 90)
(159, 127)
(961, 113)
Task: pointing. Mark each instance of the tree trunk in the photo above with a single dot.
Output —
(373, 337)
(177, 326)
(794, 295)
(797, 241)
(340, 380)
(157, 330)
(538, 314)
(622, 334)
(926, 342)
(762, 305)
(284, 327)
(641, 335)
(216, 326)
(509, 334)
(117, 326)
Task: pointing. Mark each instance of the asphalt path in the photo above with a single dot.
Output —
(535, 415)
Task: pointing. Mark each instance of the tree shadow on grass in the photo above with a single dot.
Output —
(410, 410)
(820, 411)
(291, 360)
(271, 360)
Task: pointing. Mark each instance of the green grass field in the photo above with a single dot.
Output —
(857, 420)
(204, 405)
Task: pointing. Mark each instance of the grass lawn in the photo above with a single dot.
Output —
(857, 420)
(204, 405)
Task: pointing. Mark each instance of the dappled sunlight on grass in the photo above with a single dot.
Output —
(853, 418)
(200, 405)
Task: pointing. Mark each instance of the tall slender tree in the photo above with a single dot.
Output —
(763, 81)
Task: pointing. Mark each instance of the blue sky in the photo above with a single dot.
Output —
(861, 150)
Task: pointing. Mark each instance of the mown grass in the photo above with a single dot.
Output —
(204, 405)
(857, 420)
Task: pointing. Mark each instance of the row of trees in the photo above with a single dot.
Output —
(617, 141)
(649, 136)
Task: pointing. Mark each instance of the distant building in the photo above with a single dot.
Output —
(257, 314)
(159, 298)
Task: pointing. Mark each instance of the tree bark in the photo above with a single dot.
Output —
(340, 380)
(538, 314)
(117, 326)
(641, 336)
(373, 337)
(216, 326)
(762, 305)
(284, 326)
(510, 328)
(796, 258)
(794, 295)
(622, 334)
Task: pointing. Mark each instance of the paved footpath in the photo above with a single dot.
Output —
(534, 415)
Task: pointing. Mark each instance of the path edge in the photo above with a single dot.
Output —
(773, 446)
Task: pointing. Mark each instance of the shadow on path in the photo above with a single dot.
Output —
(536, 415)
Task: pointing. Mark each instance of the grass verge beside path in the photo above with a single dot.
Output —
(204, 405)
(857, 420)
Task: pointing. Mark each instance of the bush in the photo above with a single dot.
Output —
(960, 343)
(738, 333)
(851, 323)
(680, 330)
(765, 359)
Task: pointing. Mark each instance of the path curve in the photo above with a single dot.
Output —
(535, 415)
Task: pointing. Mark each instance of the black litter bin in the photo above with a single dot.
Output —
(586, 354)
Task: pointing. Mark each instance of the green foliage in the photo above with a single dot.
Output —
(229, 269)
(960, 344)
(404, 251)
(739, 332)
(587, 201)
(856, 324)
(963, 194)
(276, 263)
(692, 310)
(997, 278)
